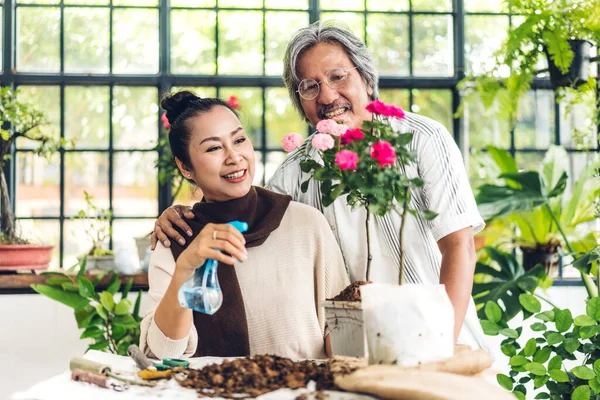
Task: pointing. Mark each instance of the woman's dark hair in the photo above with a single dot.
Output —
(181, 107)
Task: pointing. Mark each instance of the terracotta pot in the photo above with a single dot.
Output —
(345, 322)
(24, 256)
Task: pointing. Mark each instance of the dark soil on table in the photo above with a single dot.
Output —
(351, 293)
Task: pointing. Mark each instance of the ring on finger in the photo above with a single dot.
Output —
(215, 235)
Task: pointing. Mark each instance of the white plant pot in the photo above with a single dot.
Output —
(345, 322)
(142, 243)
(100, 262)
(407, 325)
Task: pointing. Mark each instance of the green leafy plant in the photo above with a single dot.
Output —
(110, 321)
(368, 165)
(96, 222)
(562, 360)
(19, 120)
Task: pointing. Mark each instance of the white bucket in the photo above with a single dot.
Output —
(407, 325)
(345, 322)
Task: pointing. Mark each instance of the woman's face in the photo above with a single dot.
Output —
(221, 155)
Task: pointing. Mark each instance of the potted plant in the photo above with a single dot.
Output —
(365, 165)
(20, 120)
(96, 223)
(561, 31)
(112, 323)
(536, 233)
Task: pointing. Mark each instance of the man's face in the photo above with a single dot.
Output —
(346, 103)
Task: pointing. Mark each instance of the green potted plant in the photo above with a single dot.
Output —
(561, 31)
(20, 121)
(112, 323)
(535, 232)
(96, 224)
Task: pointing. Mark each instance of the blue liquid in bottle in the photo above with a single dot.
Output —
(202, 292)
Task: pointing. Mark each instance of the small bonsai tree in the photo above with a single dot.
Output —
(19, 120)
(97, 226)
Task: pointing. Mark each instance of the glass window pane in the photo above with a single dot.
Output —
(387, 5)
(483, 37)
(354, 21)
(85, 171)
(41, 231)
(135, 117)
(280, 28)
(38, 185)
(240, 50)
(535, 121)
(482, 127)
(47, 100)
(241, 3)
(528, 161)
(398, 97)
(38, 1)
(86, 40)
(435, 104)
(281, 117)
(87, 2)
(201, 91)
(135, 41)
(259, 170)
(432, 44)
(87, 116)
(76, 241)
(1, 30)
(189, 194)
(577, 128)
(139, 3)
(387, 36)
(38, 39)
(432, 5)
(135, 180)
(251, 111)
(357, 5)
(274, 160)
(486, 6)
(125, 230)
(288, 4)
(193, 44)
(193, 3)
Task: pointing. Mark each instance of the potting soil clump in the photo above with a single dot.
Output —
(254, 376)
(351, 293)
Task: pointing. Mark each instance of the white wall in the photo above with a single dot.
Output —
(38, 337)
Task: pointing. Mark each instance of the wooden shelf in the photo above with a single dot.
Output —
(19, 283)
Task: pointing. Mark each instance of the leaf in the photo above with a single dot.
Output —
(71, 299)
(558, 375)
(127, 288)
(82, 267)
(136, 306)
(536, 368)
(519, 395)
(594, 385)
(107, 301)
(563, 320)
(304, 186)
(538, 327)
(101, 312)
(511, 333)
(542, 355)
(493, 312)
(530, 303)
(123, 307)
(555, 363)
(540, 381)
(84, 315)
(583, 372)
(505, 381)
(126, 321)
(553, 338)
(581, 393)
(503, 160)
(99, 346)
(508, 350)
(92, 332)
(57, 281)
(530, 348)
(558, 48)
(592, 308)
(571, 345)
(586, 332)
(560, 187)
(99, 277)
(542, 395)
(597, 367)
(584, 320)
(70, 287)
(115, 284)
(517, 361)
(86, 288)
(547, 316)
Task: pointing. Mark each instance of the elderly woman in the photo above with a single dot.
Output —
(273, 277)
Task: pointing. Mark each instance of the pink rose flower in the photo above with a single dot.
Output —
(384, 153)
(326, 125)
(338, 130)
(322, 141)
(291, 141)
(165, 121)
(351, 135)
(380, 108)
(346, 160)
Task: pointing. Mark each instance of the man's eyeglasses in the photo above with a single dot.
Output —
(335, 78)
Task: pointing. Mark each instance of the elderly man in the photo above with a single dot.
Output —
(329, 74)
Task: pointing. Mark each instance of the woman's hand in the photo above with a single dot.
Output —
(211, 238)
(163, 227)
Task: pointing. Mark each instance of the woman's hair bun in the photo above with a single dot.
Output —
(177, 103)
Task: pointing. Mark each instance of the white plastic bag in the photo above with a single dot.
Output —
(407, 325)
